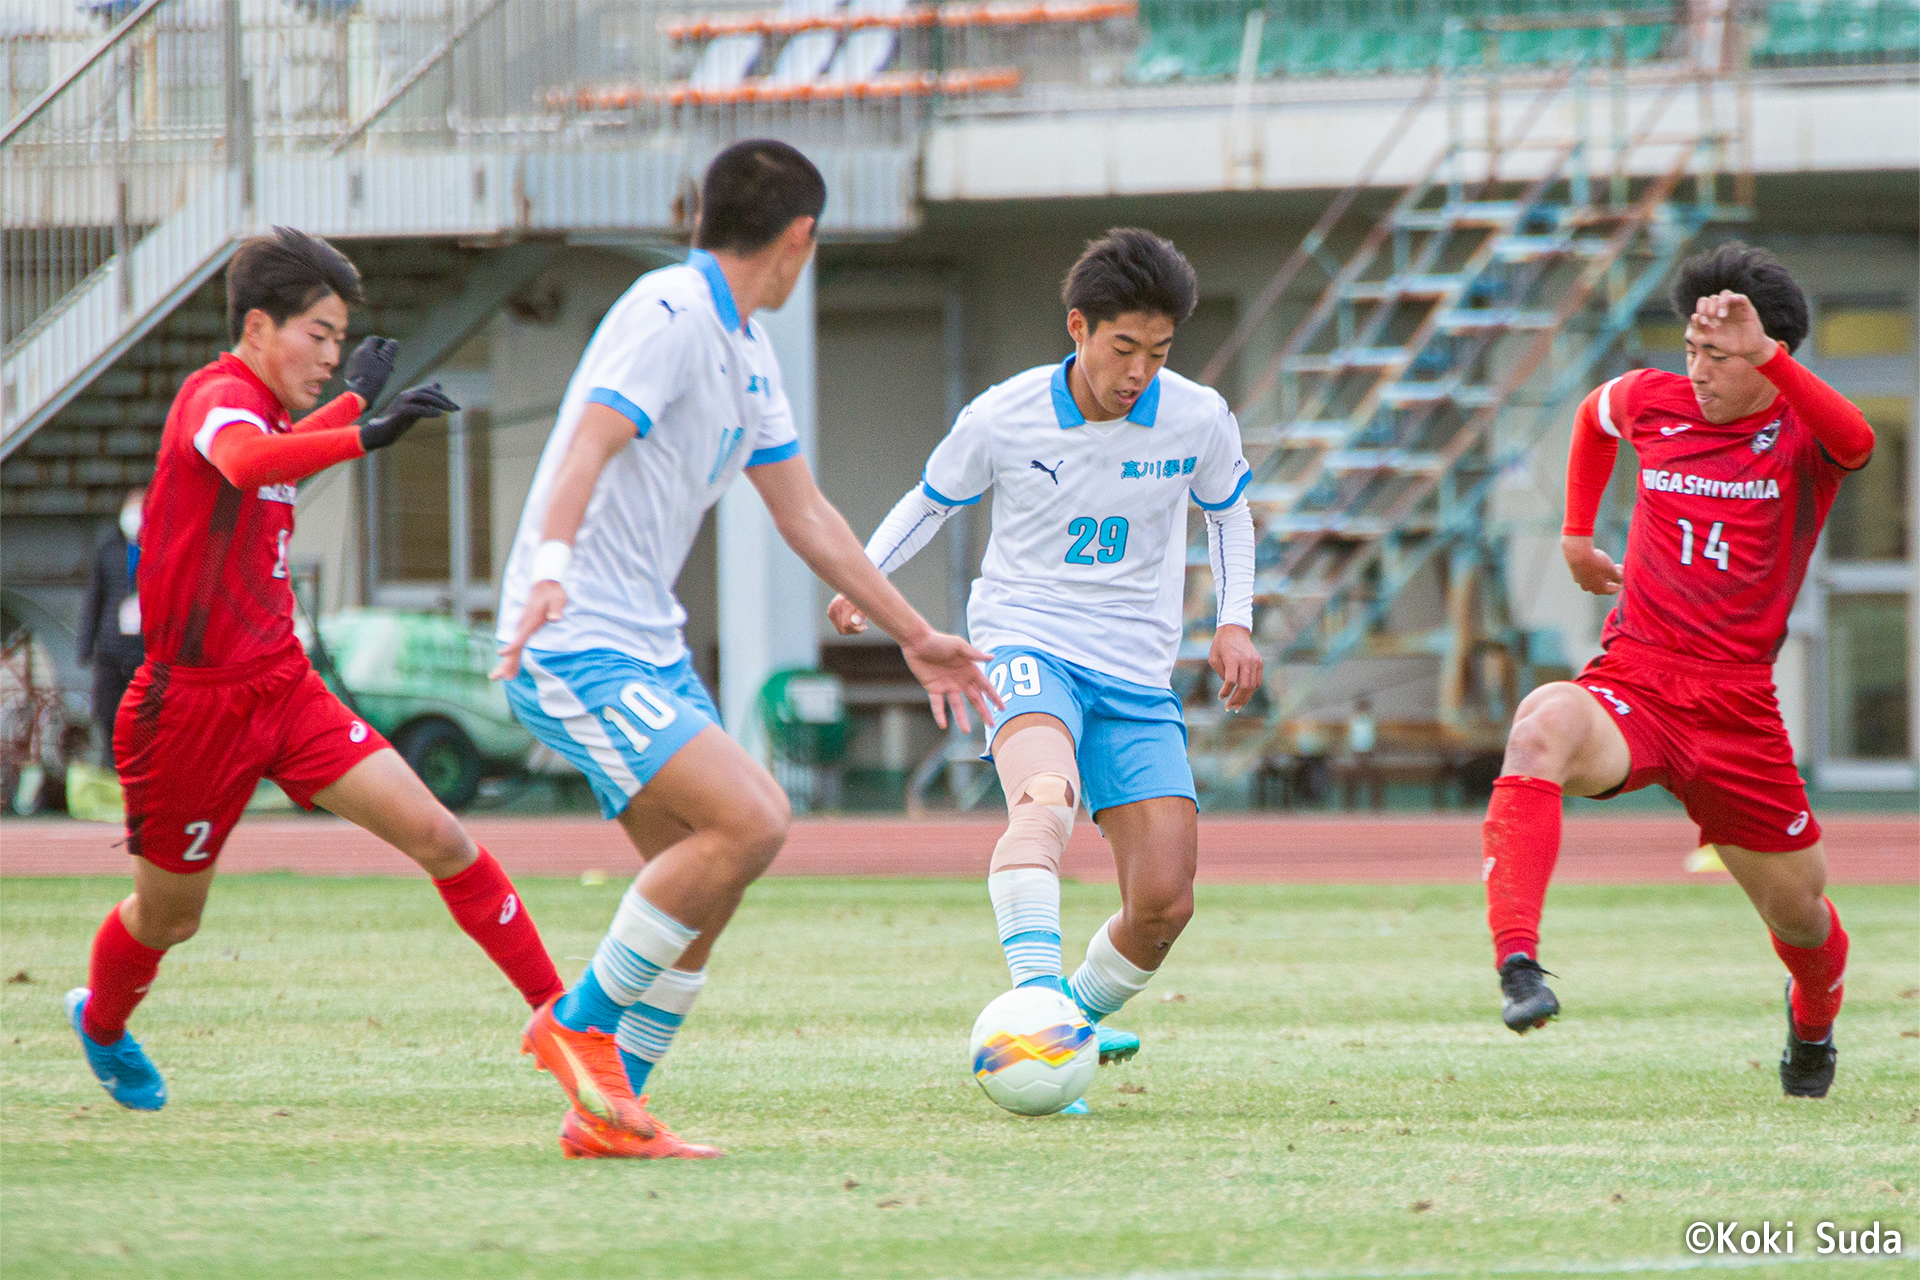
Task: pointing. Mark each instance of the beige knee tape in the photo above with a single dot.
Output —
(1042, 784)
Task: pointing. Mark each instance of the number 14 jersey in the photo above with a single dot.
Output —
(1727, 518)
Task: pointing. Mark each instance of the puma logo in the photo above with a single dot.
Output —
(1053, 472)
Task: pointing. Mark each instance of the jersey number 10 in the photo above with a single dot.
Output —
(1716, 548)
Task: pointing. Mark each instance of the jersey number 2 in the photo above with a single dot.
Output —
(1715, 550)
(1113, 539)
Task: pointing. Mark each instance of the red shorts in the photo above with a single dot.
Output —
(192, 743)
(1710, 732)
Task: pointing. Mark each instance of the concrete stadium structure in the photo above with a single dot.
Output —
(502, 169)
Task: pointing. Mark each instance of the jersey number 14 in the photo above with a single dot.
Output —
(1715, 550)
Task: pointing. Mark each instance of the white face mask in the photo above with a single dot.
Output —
(130, 523)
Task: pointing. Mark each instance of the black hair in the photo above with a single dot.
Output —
(1129, 269)
(285, 273)
(1750, 270)
(753, 191)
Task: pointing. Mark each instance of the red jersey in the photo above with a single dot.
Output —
(213, 558)
(1728, 517)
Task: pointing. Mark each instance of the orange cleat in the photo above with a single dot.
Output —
(585, 1137)
(587, 1065)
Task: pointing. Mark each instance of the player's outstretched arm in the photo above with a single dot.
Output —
(946, 665)
(250, 458)
(602, 433)
(908, 527)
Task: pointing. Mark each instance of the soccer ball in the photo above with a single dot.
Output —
(1033, 1051)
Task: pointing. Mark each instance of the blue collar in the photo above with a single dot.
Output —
(704, 262)
(1144, 410)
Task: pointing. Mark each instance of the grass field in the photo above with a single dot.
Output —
(1326, 1090)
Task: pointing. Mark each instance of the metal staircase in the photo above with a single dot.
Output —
(1462, 327)
(128, 182)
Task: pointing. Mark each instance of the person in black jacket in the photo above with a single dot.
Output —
(110, 620)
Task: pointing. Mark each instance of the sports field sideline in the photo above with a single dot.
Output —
(1441, 849)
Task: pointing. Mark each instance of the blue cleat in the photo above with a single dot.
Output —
(1116, 1046)
(1078, 1107)
(122, 1067)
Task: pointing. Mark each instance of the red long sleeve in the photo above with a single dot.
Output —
(1836, 422)
(337, 412)
(1589, 467)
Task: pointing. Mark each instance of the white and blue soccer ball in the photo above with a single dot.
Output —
(1033, 1051)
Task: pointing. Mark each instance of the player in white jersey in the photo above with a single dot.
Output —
(1080, 601)
(677, 394)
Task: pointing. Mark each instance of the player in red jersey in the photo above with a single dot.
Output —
(1739, 463)
(226, 695)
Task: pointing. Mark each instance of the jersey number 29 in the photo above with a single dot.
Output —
(1026, 677)
(1113, 539)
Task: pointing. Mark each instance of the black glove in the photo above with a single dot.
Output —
(369, 367)
(407, 408)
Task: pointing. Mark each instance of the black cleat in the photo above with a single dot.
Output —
(1806, 1068)
(1527, 1001)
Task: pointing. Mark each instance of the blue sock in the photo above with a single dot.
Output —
(1054, 981)
(638, 1069)
(588, 1007)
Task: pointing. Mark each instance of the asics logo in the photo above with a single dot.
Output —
(1053, 471)
(1674, 431)
(1799, 824)
(509, 909)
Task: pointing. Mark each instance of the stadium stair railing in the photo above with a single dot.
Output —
(1378, 430)
(129, 180)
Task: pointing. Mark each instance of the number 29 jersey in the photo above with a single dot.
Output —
(1087, 560)
(1727, 518)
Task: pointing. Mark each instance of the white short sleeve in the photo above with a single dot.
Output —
(778, 439)
(637, 368)
(960, 471)
(1222, 473)
(216, 419)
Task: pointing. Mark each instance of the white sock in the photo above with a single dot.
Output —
(1106, 979)
(646, 1029)
(1026, 907)
(642, 941)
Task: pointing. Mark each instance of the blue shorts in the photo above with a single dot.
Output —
(1130, 739)
(613, 717)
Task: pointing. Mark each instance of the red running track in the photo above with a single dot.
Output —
(1440, 849)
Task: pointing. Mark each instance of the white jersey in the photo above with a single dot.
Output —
(703, 392)
(1087, 560)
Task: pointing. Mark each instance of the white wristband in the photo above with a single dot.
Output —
(550, 561)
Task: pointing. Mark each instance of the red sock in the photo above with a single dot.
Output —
(1521, 841)
(122, 969)
(1818, 979)
(485, 903)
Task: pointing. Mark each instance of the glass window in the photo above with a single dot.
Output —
(1867, 677)
(1872, 518)
(414, 523)
(1847, 332)
(415, 520)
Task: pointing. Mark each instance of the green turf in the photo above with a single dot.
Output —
(1325, 1090)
